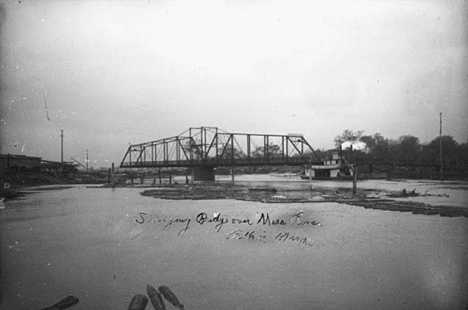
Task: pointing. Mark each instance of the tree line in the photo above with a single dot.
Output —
(407, 150)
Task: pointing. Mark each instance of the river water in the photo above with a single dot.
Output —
(104, 245)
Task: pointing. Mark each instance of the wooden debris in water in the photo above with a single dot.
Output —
(170, 297)
(64, 303)
(320, 196)
(263, 189)
(138, 302)
(155, 298)
(404, 193)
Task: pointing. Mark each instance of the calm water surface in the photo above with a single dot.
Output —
(103, 246)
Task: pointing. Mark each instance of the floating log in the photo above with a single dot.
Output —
(263, 189)
(64, 303)
(155, 298)
(170, 297)
(138, 302)
(404, 194)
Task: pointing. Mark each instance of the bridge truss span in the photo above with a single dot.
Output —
(213, 147)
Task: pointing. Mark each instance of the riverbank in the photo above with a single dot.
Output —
(16, 185)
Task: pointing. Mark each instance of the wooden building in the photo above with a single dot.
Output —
(19, 163)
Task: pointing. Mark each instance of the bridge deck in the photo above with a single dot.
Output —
(239, 162)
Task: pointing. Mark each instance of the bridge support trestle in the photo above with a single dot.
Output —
(203, 173)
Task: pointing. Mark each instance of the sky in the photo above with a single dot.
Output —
(110, 73)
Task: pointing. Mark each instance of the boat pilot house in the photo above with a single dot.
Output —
(334, 166)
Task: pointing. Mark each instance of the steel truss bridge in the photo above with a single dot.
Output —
(204, 148)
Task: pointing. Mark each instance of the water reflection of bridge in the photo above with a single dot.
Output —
(204, 148)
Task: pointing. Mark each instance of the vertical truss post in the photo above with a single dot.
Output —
(201, 142)
(142, 155)
(138, 159)
(216, 144)
(282, 147)
(167, 151)
(248, 149)
(130, 155)
(232, 157)
(191, 150)
(232, 149)
(177, 150)
(204, 144)
(138, 156)
(287, 149)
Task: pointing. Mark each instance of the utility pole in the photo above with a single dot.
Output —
(440, 149)
(354, 170)
(61, 147)
(87, 160)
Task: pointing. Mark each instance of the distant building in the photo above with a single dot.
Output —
(19, 163)
(56, 166)
(28, 164)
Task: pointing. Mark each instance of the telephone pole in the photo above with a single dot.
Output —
(87, 160)
(61, 147)
(440, 148)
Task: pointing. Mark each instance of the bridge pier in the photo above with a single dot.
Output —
(203, 173)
